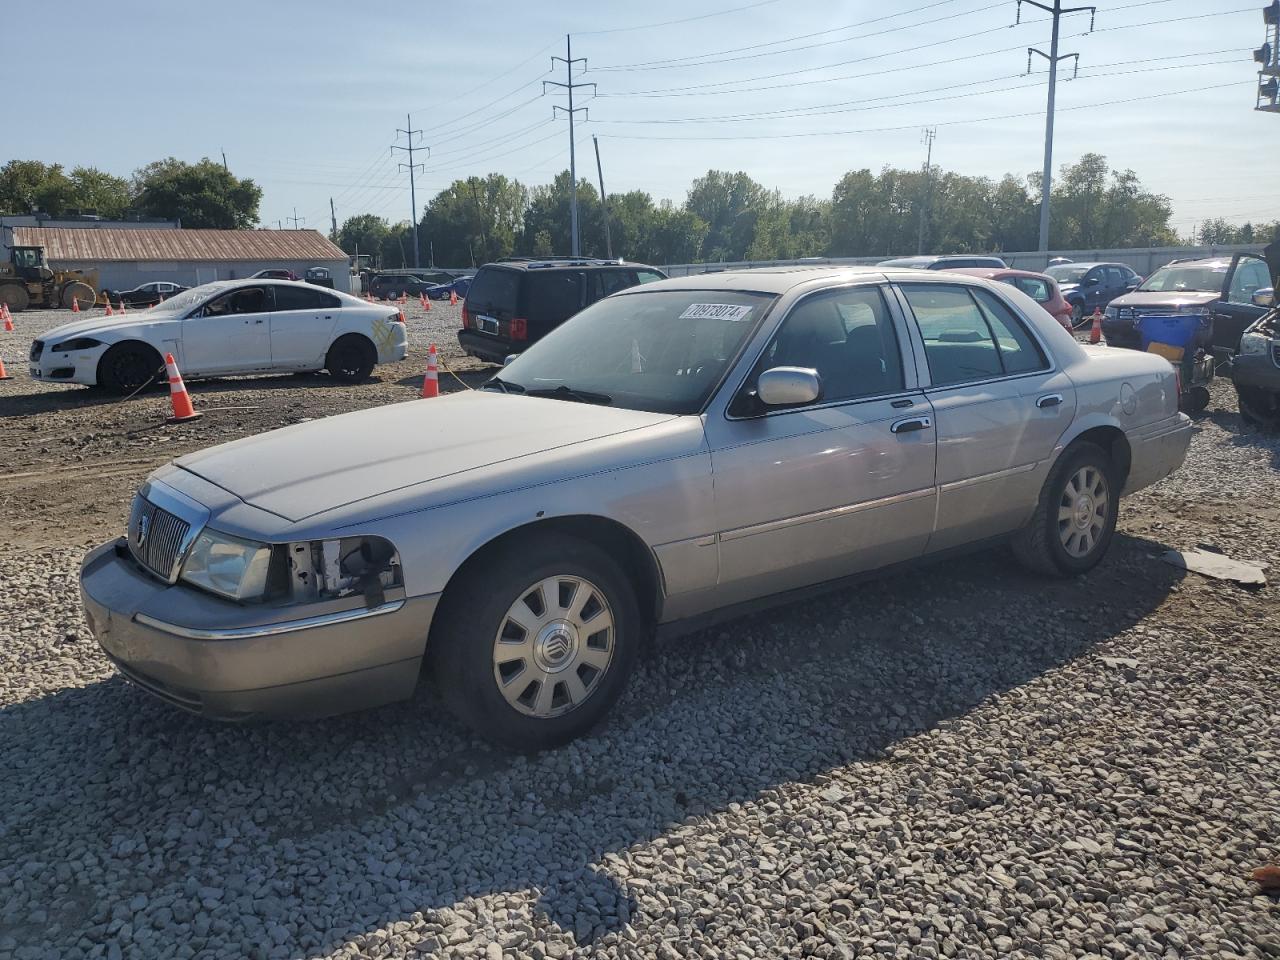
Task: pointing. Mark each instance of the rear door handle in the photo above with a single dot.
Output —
(910, 425)
(1049, 400)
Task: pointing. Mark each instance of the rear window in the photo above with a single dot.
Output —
(1035, 288)
(299, 297)
(494, 291)
(550, 297)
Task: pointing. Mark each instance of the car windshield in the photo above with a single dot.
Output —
(1068, 272)
(1186, 278)
(188, 298)
(658, 350)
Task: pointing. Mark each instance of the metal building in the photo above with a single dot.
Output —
(124, 258)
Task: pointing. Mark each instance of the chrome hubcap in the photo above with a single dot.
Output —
(1082, 511)
(553, 646)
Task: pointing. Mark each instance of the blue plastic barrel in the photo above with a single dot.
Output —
(1174, 329)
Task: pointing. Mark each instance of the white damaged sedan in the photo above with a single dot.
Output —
(228, 328)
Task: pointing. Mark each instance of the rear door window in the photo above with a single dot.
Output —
(1033, 287)
(551, 298)
(1019, 352)
(493, 292)
(648, 276)
(300, 297)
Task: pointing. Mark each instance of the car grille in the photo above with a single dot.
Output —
(1133, 313)
(156, 537)
(37, 347)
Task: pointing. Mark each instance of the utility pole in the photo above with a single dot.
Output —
(475, 202)
(224, 162)
(604, 204)
(333, 219)
(570, 86)
(927, 137)
(295, 218)
(409, 134)
(1057, 11)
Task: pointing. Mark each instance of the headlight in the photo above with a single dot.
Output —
(1112, 313)
(1252, 344)
(79, 343)
(228, 566)
(1197, 310)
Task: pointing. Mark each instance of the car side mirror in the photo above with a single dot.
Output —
(788, 386)
(1266, 297)
(506, 361)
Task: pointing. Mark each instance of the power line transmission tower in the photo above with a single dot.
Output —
(412, 167)
(1267, 57)
(1057, 11)
(926, 137)
(295, 218)
(570, 86)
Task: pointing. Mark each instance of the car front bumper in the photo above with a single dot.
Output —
(1157, 451)
(232, 662)
(77, 366)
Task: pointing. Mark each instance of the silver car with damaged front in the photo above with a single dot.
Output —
(670, 454)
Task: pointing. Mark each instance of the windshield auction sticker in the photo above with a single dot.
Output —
(717, 311)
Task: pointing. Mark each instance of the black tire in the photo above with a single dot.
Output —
(1259, 408)
(1039, 545)
(1077, 314)
(461, 653)
(15, 296)
(128, 367)
(1196, 400)
(351, 358)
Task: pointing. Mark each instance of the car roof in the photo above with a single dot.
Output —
(778, 280)
(562, 263)
(1202, 262)
(991, 273)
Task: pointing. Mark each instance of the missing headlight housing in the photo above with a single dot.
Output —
(351, 566)
(77, 343)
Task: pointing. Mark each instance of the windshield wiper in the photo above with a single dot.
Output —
(566, 392)
(506, 386)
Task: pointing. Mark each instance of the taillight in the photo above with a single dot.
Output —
(519, 329)
(466, 317)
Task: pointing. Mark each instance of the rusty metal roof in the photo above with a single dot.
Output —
(72, 243)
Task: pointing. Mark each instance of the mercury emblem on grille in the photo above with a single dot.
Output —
(144, 526)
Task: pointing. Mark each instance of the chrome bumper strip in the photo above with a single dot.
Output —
(270, 629)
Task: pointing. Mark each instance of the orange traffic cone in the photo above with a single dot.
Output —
(400, 311)
(426, 304)
(422, 300)
(3, 373)
(8, 319)
(122, 310)
(110, 312)
(178, 396)
(1095, 332)
(75, 304)
(431, 382)
(453, 298)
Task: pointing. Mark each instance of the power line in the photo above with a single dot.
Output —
(698, 60)
(909, 126)
(668, 23)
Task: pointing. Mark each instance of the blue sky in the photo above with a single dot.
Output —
(305, 97)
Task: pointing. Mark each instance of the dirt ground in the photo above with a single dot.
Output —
(71, 457)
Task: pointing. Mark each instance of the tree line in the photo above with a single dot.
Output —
(728, 216)
(203, 194)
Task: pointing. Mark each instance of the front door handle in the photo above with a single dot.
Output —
(1049, 400)
(910, 425)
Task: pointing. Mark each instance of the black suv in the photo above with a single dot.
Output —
(515, 302)
(389, 286)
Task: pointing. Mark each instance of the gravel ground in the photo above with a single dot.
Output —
(964, 761)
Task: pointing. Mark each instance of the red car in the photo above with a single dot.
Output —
(1039, 287)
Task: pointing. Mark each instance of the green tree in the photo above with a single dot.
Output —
(364, 234)
(479, 217)
(28, 186)
(199, 194)
(548, 212)
(1096, 207)
(730, 204)
(105, 194)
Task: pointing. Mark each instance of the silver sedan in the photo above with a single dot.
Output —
(666, 457)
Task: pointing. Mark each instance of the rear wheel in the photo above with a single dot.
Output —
(1077, 314)
(14, 296)
(537, 650)
(128, 367)
(351, 358)
(77, 291)
(1259, 408)
(1075, 517)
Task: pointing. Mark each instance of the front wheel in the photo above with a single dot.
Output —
(1075, 517)
(128, 367)
(351, 358)
(1259, 408)
(1077, 314)
(535, 651)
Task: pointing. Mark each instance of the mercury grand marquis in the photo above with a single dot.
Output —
(669, 454)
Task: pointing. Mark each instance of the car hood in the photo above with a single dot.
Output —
(98, 324)
(1173, 298)
(322, 465)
